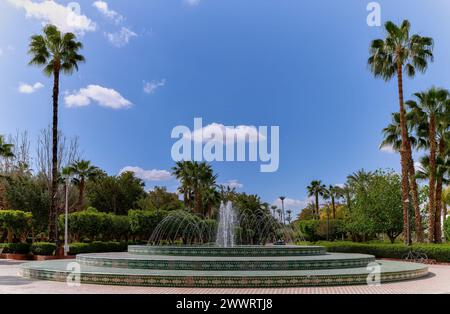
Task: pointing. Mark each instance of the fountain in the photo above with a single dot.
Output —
(224, 264)
(227, 222)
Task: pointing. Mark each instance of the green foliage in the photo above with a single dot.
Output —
(43, 248)
(377, 206)
(116, 194)
(15, 248)
(94, 225)
(159, 198)
(143, 222)
(315, 230)
(438, 252)
(16, 223)
(97, 247)
(29, 194)
(447, 228)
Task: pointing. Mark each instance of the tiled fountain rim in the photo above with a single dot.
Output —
(248, 250)
(126, 260)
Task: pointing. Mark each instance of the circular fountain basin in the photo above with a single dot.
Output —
(233, 267)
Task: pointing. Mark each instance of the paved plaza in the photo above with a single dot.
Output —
(438, 282)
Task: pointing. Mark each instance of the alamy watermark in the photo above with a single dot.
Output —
(216, 142)
(374, 16)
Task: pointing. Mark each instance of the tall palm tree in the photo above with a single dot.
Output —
(56, 52)
(181, 172)
(274, 209)
(316, 189)
(398, 52)
(289, 215)
(6, 150)
(332, 193)
(360, 179)
(82, 170)
(431, 106)
(392, 138)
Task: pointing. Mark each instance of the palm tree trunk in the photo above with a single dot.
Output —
(81, 194)
(415, 196)
(432, 195)
(334, 207)
(317, 206)
(403, 157)
(54, 187)
(438, 227)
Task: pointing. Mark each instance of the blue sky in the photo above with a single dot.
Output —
(153, 65)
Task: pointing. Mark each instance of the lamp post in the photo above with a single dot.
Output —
(282, 198)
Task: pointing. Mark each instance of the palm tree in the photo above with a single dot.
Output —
(82, 170)
(274, 209)
(316, 189)
(6, 150)
(392, 138)
(289, 216)
(431, 107)
(360, 179)
(195, 179)
(282, 198)
(56, 52)
(279, 214)
(399, 52)
(333, 192)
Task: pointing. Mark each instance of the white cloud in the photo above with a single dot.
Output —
(105, 97)
(192, 2)
(151, 87)
(388, 149)
(231, 135)
(102, 6)
(148, 175)
(121, 38)
(30, 88)
(233, 184)
(66, 18)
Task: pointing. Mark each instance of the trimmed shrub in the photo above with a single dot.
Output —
(315, 230)
(15, 248)
(438, 252)
(17, 224)
(43, 248)
(143, 222)
(97, 247)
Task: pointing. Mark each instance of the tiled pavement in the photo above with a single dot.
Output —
(437, 282)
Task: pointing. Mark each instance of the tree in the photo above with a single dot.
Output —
(397, 53)
(392, 138)
(316, 189)
(196, 179)
(289, 216)
(160, 199)
(82, 170)
(6, 150)
(56, 52)
(378, 207)
(431, 106)
(116, 194)
(332, 193)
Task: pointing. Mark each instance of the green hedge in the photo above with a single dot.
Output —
(15, 248)
(97, 247)
(43, 248)
(316, 230)
(17, 223)
(94, 225)
(438, 252)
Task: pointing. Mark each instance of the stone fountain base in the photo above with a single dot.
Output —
(235, 267)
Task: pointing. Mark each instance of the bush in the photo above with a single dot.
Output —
(438, 252)
(94, 225)
(17, 224)
(447, 229)
(15, 248)
(43, 248)
(97, 247)
(315, 230)
(143, 222)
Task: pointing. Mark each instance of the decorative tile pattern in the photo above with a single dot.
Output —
(213, 267)
(231, 251)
